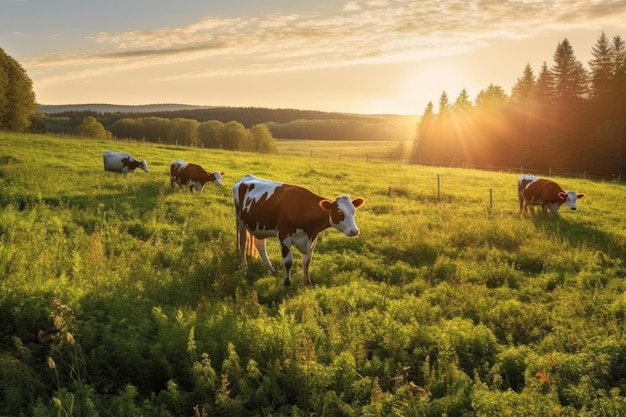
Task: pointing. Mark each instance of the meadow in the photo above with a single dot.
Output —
(120, 296)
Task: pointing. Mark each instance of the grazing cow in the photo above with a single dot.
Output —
(192, 175)
(122, 162)
(548, 194)
(293, 214)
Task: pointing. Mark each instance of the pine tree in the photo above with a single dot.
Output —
(492, 97)
(544, 88)
(619, 78)
(421, 133)
(602, 69)
(522, 91)
(569, 75)
(462, 102)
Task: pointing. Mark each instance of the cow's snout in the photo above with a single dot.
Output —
(573, 208)
(353, 232)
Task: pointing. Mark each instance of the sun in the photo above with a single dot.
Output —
(429, 81)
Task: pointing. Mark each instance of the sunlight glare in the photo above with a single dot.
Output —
(431, 81)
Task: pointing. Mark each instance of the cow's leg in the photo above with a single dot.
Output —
(242, 235)
(306, 261)
(287, 261)
(261, 248)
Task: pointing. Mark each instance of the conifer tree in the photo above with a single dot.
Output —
(544, 88)
(601, 69)
(462, 102)
(421, 133)
(570, 76)
(619, 78)
(522, 91)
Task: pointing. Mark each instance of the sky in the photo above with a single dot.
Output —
(352, 56)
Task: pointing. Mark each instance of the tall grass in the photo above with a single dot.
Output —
(122, 296)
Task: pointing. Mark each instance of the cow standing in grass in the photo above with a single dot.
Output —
(190, 175)
(293, 214)
(122, 162)
(533, 191)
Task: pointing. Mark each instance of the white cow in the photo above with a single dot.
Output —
(122, 162)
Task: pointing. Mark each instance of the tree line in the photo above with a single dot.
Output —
(282, 123)
(566, 118)
(187, 132)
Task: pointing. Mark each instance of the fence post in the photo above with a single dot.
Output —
(438, 188)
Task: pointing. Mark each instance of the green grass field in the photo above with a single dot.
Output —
(120, 296)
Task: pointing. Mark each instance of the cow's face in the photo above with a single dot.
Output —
(218, 177)
(144, 165)
(570, 199)
(341, 213)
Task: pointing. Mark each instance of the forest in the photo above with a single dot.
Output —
(565, 118)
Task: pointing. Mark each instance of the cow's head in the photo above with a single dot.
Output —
(217, 177)
(341, 213)
(570, 198)
(144, 165)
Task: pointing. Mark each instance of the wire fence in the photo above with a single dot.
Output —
(521, 169)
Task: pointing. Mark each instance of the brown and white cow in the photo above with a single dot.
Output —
(533, 191)
(122, 162)
(193, 176)
(293, 214)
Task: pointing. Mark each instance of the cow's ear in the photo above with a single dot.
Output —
(358, 202)
(562, 195)
(580, 195)
(222, 173)
(326, 205)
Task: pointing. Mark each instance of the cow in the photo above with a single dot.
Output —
(122, 162)
(192, 175)
(293, 214)
(533, 191)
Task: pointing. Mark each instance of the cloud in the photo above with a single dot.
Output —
(363, 31)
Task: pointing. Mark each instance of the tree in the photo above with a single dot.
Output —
(233, 135)
(544, 88)
(92, 128)
(462, 102)
(17, 98)
(444, 104)
(570, 76)
(601, 69)
(492, 97)
(128, 128)
(183, 132)
(261, 139)
(210, 134)
(522, 91)
(155, 129)
(619, 77)
(420, 141)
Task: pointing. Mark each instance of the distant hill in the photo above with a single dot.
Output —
(116, 108)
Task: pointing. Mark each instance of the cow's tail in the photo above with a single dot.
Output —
(251, 251)
(250, 248)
